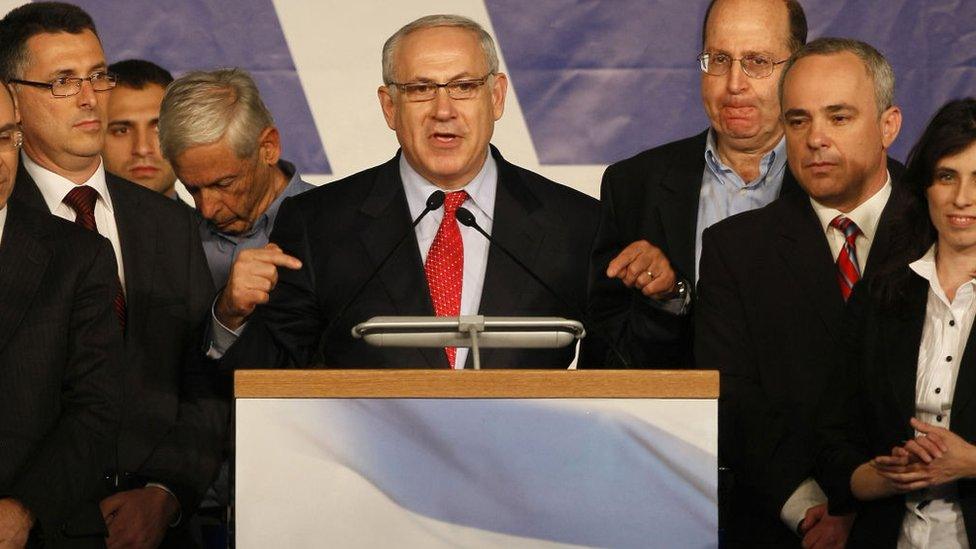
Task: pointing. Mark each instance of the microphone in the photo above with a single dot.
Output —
(434, 201)
(466, 218)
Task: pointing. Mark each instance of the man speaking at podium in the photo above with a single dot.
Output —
(442, 93)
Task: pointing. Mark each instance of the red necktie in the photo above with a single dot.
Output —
(82, 200)
(848, 273)
(445, 265)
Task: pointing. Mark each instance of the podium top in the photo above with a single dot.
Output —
(694, 384)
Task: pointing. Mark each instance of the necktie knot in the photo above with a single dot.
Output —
(82, 199)
(845, 225)
(453, 201)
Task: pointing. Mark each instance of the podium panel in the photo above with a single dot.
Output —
(333, 458)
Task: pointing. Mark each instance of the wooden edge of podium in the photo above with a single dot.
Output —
(694, 384)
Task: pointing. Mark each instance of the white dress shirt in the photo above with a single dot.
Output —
(867, 216)
(54, 188)
(481, 203)
(933, 517)
(3, 221)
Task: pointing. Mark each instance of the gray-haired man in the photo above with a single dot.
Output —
(224, 147)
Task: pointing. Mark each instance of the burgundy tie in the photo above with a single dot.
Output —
(445, 265)
(848, 273)
(82, 200)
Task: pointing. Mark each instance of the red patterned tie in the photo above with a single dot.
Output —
(445, 265)
(848, 273)
(82, 200)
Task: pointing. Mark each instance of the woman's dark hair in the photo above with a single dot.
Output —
(951, 131)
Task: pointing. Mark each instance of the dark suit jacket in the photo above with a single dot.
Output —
(873, 398)
(173, 419)
(341, 232)
(60, 351)
(652, 196)
(769, 316)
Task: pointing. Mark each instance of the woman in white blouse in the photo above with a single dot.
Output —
(899, 430)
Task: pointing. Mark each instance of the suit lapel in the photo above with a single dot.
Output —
(137, 239)
(966, 382)
(902, 339)
(403, 275)
(881, 247)
(23, 260)
(679, 209)
(515, 227)
(804, 248)
(25, 190)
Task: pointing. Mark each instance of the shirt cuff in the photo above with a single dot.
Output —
(808, 494)
(677, 306)
(221, 337)
(179, 508)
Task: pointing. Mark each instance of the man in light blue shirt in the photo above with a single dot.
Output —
(223, 144)
(656, 204)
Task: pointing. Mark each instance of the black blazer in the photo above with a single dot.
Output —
(872, 399)
(769, 316)
(652, 196)
(60, 351)
(173, 419)
(341, 231)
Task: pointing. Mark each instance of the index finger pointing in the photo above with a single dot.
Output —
(281, 259)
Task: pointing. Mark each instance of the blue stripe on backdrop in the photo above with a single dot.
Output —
(183, 36)
(597, 80)
(601, 80)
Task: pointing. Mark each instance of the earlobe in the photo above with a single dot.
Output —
(890, 126)
(387, 106)
(499, 90)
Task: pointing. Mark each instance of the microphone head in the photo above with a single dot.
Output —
(435, 200)
(465, 217)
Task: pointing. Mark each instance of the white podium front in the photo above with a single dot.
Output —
(409, 458)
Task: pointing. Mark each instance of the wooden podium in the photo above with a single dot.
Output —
(514, 458)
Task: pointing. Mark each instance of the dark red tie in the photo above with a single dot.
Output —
(82, 200)
(848, 273)
(445, 265)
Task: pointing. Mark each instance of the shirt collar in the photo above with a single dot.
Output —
(3, 221)
(925, 268)
(480, 189)
(866, 216)
(54, 187)
(772, 162)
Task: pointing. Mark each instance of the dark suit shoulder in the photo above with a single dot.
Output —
(557, 196)
(147, 198)
(743, 226)
(641, 162)
(53, 230)
(357, 185)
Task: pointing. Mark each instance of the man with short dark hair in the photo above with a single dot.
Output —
(173, 420)
(442, 93)
(132, 143)
(774, 283)
(60, 355)
(656, 204)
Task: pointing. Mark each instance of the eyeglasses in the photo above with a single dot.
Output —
(456, 89)
(66, 86)
(754, 65)
(11, 140)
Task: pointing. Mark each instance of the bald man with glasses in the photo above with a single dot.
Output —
(656, 204)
